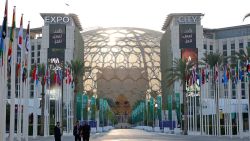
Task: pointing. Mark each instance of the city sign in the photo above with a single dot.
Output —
(188, 19)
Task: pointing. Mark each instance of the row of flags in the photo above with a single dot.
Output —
(54, 76)
(21, 66)
(200, 76)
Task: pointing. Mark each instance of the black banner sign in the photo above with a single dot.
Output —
(187, 35)
(57, 36)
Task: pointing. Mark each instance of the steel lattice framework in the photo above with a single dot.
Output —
(122, 59)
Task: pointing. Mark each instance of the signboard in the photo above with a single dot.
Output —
(57, 36)
(187, 35)
(56, 19)
(188, 19)
(190, 54)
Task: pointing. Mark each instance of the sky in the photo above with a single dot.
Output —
(149, 14)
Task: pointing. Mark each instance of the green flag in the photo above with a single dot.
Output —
(159, 106)
(92, 108)
(79, 106)
(178, 107)
(151, 109)
(85, 107)
(101, 111)
(170, 107)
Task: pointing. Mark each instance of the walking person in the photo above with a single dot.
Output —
(76, 131)
(85, 131)
(57, 132)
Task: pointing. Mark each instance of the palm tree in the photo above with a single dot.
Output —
(180, 71)
(213, 59)
(77, 71)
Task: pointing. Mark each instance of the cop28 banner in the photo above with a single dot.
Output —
(187, 35)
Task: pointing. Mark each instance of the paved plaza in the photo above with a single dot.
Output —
(140, 135)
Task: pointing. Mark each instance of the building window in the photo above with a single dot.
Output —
(248, 44)
(243, 94)
(204, 46)
(32, 61)
(211, 47)
(224, 47)
(38, 54)
(32, 48)
(38, 60)
(232, 52)
(241, 45)
(38, 47)
(225, 53)
(233, 46)
(32, 54)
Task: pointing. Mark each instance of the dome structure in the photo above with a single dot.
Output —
(122, 62)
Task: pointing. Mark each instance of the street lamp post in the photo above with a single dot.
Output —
(156, 106)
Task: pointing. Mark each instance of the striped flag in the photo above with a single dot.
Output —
(4, 30)
(12, 36)
(20, 34)
(27, 39)
(5, 21)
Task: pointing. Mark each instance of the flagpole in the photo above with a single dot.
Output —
(239, 102)
(248, 97)
(1, 102)
(34, 103)
(230, 108)
(13, 89)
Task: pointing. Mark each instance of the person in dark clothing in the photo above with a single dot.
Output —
(85, 131)
(57, 132)
(76, 131)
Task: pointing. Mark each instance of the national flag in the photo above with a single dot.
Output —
(12, 36)
(24, 75)
(47, 77)
(18, 68)
(55, 77)
(34, 72)
(216, 72)
(225, 78)
(27, 39)
(207, 72)
(20, 34)
(4, 30)
(5, 21)
(228, 72)
(203, 76)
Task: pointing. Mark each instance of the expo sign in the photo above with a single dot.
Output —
(57, 19)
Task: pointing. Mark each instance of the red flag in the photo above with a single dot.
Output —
(203, 76)
(55, 77)
(20, 34)
(18, 68)
(34, 73)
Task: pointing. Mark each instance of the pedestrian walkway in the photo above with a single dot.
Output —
(141, 135)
